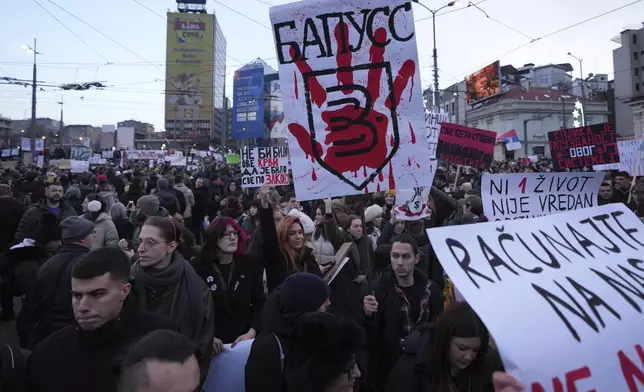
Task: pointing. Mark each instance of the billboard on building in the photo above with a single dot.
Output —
(275, 123)
(248, 103)
(125, 137)
(484, 83)
(189, 79)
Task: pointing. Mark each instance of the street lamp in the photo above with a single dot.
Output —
(33, 51)
(583, 87)
(437, 96)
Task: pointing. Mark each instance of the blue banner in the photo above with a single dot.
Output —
(248, 103)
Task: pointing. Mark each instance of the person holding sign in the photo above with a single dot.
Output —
(402, 300)
(451, 355)
(283, 246)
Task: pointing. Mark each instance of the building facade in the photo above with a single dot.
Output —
(219, 86)
(142, 130)
(628, 63)
(75, 135)
(5, 132)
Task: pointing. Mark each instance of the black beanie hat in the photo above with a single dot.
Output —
(302, 293)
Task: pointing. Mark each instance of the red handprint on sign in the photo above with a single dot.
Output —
(356, 133)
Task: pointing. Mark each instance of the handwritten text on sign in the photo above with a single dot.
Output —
(466, 146)
(628, 158)
(568, 289)
(352, 96)
(264, 165)
(577, 148)
(433, 123)
(529, 195)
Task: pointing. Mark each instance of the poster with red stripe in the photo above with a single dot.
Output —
(352, 96)
(466, 146)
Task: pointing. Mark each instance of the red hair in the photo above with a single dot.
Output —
(217, 228)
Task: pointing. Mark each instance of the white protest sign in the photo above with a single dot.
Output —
(433, 123)
(411, 204)
(628, 153)
(561, 294)
(146, 154)
(78, 166)
(529, 195)
(264, 165)
(352, 96)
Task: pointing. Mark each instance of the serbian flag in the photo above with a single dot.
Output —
(511, 140)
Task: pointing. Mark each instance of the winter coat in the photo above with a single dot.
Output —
(106, 233)
(29, 192)
(324, 249)
(109, 197)
(32, 216)
(413, 372)
(384, 328)
(249, 225)
(132, 195)
(11, 211)
(49, 307)
(189, 197)
(74, 360)
(168, 200)
(201, 198)
(267, 360)
(276, 265)
(239, 307)
(124, 228)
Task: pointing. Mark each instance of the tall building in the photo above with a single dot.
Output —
(219, 87)
(142, 130)
(195, 68)
(628, 64)
(5, 132)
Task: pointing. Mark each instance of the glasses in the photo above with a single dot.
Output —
(230, 234)
(149, 242)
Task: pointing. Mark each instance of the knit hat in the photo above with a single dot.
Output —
(118, 210)
(475, 203)
(75, 228)
(372, 212)
(101, 178)
(163, 184)
(307, 223)
(94, 206)
(390, 192)
(149, 204)
(301, 293)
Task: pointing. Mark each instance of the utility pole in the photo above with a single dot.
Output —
(60, 128)
(33, 106)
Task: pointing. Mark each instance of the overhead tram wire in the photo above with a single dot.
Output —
(242, 14)
(470, 4)
(448, 12)
(72, 32)
(550, 35)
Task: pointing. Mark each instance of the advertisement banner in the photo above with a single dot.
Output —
(248, 103)
(275, 124)
(577, 148)
(264, 165)
(466, 146)
(529, 195)
(353, 100)
(189, 83)
(573, 283)
(25, 144)
(629, 153)
(484, 83)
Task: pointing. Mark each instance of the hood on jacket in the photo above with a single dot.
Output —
(165, 197)
(100, 218)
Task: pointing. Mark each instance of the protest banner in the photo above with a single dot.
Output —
(145, 154)
(629, 151)
(561, 294)
(529, 195)
(264, 165)
(433, 123)
(466, 146)
(352, 96)
(577, 148)
(411, 204)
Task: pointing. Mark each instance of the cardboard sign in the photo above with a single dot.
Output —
(629, 151)
(529, 195)
(576, 148)
(433, 123)
(561, 294)
(264, 165)
(411, 204)
(352, 96)
(466, 146)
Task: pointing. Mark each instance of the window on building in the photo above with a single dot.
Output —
(634, 55)
(634, 39)
(637, 87)
(453, 108)
(637, 71)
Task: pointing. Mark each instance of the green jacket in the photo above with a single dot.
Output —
(31, 218)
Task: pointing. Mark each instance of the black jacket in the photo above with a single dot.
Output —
(49, 307)
(264, 367)
(11, 211)
(124, 228)
(168, 200)
(73, 360)
(201, 198)
(412, 372)
(239, 307)
(30, 190)
(277, 268)
(384, 328)
(32, 216)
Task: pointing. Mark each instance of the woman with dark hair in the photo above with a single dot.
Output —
(251, 221)
(165, 283)
(450, 355)
(323, 352)
(134, 191)
(232, 190)
(95, 210)
(235, 282)
(283, 246)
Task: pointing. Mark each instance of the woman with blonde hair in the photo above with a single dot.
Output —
(283, 246)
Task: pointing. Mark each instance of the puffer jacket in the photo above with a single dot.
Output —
(106, 233)
(190, 199)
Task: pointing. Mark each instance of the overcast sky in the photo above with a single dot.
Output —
(467, 40)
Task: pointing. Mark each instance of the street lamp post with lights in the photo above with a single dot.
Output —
(33, 98)
(437, 96)
(583, 87)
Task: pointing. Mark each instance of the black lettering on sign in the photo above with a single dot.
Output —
(464, 261)
(622, 286)
(554, 263)
(493, 259)
(316, 34)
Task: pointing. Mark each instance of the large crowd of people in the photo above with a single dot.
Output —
(146, 279)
